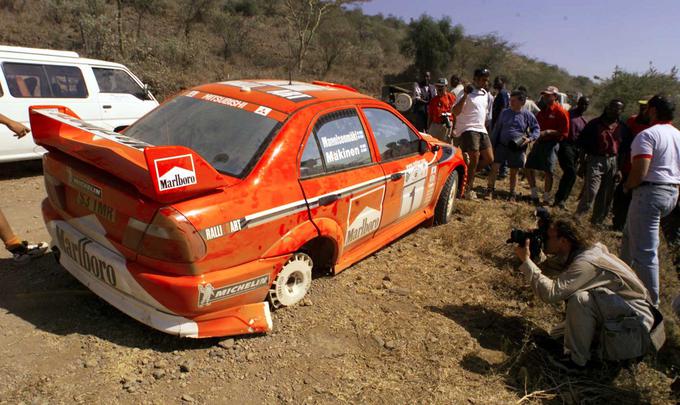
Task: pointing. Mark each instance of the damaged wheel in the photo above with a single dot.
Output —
(293, 281)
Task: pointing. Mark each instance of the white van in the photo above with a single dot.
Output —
(103, 93)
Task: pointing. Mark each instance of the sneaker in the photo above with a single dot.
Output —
(26, 251)
(470, 195)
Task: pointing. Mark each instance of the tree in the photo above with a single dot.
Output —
(303, 18)
(631, 87)
(431, 44)
(337, 39)
(193, 12)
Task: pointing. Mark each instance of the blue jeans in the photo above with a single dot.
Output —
(640, 244)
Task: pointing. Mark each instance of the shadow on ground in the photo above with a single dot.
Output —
(18, 170)
(48, 297)
(527, 366)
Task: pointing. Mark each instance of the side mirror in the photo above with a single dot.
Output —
(423, 146)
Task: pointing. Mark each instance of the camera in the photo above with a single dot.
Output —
(446, 119)
(469, 89)
(537, 237)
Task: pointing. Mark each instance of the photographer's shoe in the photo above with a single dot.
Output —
(566, 364)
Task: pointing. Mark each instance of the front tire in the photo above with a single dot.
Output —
(293, 281)
(447, 200)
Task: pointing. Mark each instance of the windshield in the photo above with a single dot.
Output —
(231, 139)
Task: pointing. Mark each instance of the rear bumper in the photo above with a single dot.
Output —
(220, 303)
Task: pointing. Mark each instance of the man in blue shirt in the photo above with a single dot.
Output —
(514, 130)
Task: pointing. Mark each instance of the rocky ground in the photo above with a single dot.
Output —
(440, 316)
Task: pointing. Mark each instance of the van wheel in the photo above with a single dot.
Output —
(293, 281)
(447, 200)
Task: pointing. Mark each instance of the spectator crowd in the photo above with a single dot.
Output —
(630, 169)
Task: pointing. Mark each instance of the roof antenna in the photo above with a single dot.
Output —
(290, 77)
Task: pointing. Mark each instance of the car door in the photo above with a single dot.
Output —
(343, 184)
(410, 178)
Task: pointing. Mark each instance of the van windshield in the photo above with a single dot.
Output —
(231, 139)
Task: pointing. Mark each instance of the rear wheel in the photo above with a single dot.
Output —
(447, 200)
(293, 281)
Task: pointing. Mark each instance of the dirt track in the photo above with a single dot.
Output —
(437, 317)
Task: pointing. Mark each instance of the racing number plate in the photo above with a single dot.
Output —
(96, 206)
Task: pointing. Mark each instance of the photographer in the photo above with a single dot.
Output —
(603, 296)
(514, 130)
(439, 117)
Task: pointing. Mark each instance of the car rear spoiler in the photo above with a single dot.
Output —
(165, 174)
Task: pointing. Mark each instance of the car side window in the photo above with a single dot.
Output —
(45, 81)
(118, 81)
(311, 163)
(395, 139)
(342, 140)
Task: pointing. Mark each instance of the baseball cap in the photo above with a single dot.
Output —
(550, 90)
(442, 82)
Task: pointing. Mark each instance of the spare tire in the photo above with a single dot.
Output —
(402, 102)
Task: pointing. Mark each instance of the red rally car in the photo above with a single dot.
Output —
(224, 199)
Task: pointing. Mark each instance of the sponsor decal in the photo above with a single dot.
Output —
(263, 111)
(175, 172)
(431, 182)
(192, 93)
(230, 102)
(77, 251)
(291, 95)
(414, 187)
(235, 225)
(85, 186)
(207, 294)
(214, 232)
(365, 212)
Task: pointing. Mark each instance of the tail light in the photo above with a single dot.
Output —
(171, 237)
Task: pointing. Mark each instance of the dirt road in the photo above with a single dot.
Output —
(437, 317)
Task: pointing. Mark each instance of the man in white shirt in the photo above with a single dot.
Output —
(472, 112)
(653, 180)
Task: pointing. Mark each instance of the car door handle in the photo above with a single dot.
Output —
(396, 176)
(106, 107)
(327, 200)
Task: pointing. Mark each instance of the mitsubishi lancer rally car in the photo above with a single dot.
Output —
(222, 201)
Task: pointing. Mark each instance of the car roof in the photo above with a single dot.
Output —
(282, 95)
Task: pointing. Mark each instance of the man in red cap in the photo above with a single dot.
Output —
(554, 122)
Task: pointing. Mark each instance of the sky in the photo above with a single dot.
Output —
(586, 38)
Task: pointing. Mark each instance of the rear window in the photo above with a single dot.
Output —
(230, 139)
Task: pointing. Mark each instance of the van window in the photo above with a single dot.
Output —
(118, 81)
(45, 81)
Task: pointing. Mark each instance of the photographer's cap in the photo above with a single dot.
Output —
(442, 82)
